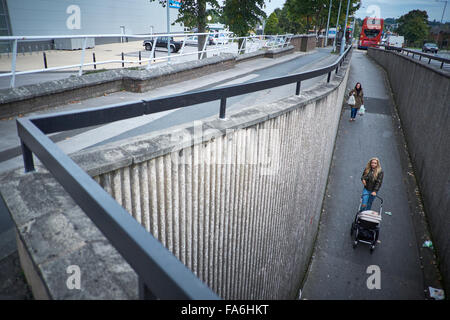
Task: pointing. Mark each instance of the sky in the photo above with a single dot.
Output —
(387, 8)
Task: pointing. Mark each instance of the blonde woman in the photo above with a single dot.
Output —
(371, 178)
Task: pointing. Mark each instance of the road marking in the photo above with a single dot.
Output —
(107, 131)
(239, 80)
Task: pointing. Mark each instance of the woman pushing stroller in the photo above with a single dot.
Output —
(372, 179)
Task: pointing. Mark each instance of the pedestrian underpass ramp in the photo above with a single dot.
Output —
(237, 201)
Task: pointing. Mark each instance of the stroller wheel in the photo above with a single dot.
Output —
(355, 243)
(372, 248)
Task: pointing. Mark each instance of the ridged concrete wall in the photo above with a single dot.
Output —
(241, 210)
(422, 96)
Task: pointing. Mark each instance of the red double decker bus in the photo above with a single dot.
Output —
(371, 31)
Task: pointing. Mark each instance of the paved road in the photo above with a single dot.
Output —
(337, 271)
(209, 109)
(88, 137)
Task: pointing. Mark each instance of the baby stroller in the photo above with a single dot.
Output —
(366, 226)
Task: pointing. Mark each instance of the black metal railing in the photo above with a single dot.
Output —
(161, 274)
(421, 55)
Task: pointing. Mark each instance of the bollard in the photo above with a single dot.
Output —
(93, 58)
(45, 60)
(123, 64)
(139, 57)
(329, 76)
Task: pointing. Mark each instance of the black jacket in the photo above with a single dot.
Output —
(372, 184)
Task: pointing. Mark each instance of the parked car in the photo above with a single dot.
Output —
(162, 43)
(274, 42)
(192, 40)
(218, 39)
(431, 47)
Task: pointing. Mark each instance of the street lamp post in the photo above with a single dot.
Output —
(328, 23)
(443, 11)
(345, 28)
(168, 31)
(337, 24)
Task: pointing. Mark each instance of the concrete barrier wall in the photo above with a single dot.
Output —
(238, 201)
(422, 96)
(304, 42)
(239, 209)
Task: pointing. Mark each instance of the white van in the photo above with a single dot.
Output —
(395, 41)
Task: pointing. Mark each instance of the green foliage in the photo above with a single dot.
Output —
(413, 26)
(313, 14)
(358, 26)
(271, 26)
(285, 25)
(241, 16)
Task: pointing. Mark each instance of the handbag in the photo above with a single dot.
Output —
(351, 101)
(361, 110)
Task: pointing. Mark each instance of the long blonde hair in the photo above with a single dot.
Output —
(376, 171)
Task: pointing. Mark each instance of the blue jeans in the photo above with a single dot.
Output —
(367, 200)
(353, 113)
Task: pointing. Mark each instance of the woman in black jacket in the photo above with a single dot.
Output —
(372, 178)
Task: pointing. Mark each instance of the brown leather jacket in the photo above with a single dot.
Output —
(372, 184)
(359, 98)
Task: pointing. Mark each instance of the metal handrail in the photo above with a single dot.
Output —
(161, 274)
(420, 54)
(150, 60)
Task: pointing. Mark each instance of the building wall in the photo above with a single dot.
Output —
(62, 17)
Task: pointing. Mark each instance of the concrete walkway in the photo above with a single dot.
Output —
(338, 271)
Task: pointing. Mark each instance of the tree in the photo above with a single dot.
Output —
(413, 26)
(286, 25)
(241, 16)
(313, 14)
(358, 26)
(272, 24)
(192, 13)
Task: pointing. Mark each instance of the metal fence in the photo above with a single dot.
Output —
(223, 44)
(420, 55)
(161, 274)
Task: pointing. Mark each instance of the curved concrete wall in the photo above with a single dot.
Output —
(241, 208)
(422, 96)
(238, 201)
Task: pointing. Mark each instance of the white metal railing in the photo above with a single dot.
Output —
(223, 44)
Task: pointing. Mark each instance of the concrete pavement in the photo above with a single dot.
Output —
(338, 271)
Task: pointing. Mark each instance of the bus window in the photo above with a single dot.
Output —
(371, 33)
